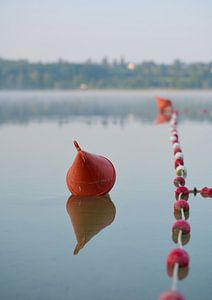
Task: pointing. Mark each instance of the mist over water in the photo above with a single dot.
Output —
(106, 106)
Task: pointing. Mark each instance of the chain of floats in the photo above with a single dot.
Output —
(178, 258)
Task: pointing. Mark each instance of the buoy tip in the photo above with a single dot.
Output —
(77, 249)
(77, 145)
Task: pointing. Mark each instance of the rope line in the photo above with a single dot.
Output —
(175, 277)
(179, 239)
(176, 260)
(182, 214)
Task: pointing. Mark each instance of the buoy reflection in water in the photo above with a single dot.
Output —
(89, 215)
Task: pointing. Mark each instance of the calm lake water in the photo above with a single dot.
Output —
(126, 260)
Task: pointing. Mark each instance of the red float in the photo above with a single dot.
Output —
(178, 162)
(176, 150)
(179, 181)
(171, 295)
(179, 155)
(183, 191)
(174, 138)
(176, 145)
(181, 225)
(206, 192)
(183, 228)
(178, 256)
(178, 206)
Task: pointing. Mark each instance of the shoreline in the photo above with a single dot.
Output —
(104, 90)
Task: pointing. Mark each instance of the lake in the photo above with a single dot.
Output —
(127, 258)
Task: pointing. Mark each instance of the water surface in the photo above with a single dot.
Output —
(126, 259)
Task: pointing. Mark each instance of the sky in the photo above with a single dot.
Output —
(76, 30)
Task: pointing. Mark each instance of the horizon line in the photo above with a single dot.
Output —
(108, 61)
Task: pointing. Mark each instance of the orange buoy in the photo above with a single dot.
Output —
(90, 174)
(89, 215)
(163, 104)
(165, 110)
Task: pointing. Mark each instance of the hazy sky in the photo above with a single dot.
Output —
(75, 30)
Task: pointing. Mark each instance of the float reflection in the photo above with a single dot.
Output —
(162, 118)
(89, 215)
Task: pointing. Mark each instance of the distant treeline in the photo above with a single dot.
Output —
(22, 74)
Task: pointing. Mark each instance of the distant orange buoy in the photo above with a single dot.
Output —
(163, 103)
(89, 215)
(90, 174)
(165, 110)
